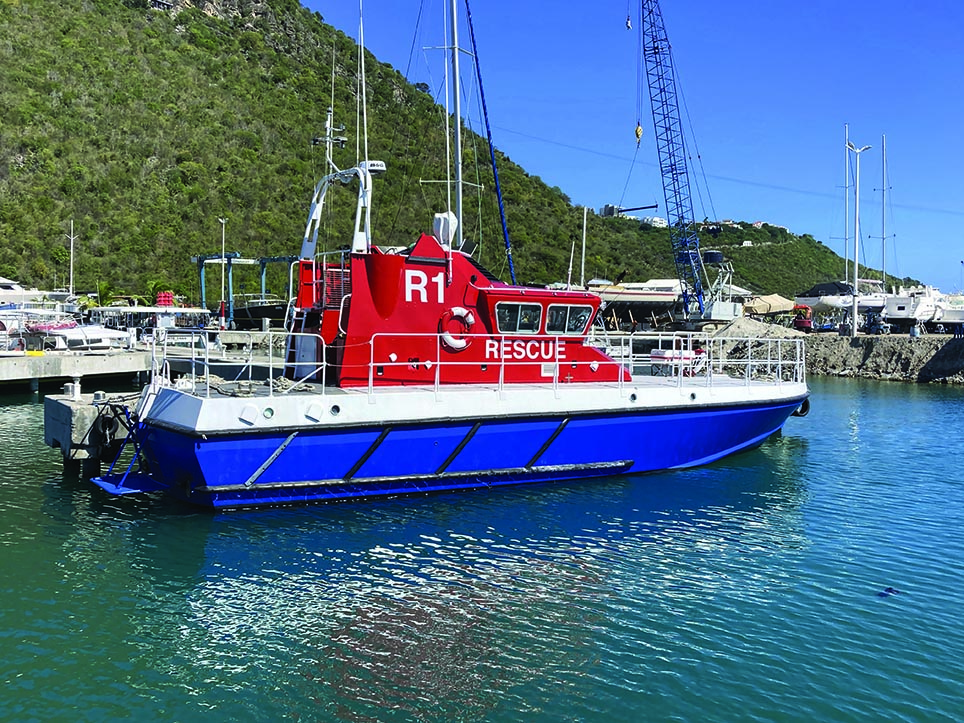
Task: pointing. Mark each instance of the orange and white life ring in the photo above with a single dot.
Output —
(461, 316)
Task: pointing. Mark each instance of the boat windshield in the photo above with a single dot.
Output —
(518, 318)
(567, 319)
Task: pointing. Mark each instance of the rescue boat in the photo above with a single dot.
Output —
(415, 370)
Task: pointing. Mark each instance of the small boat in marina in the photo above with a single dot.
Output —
(950, 309)
(22, 326)
(147, 320)
(908, 307)
(838, 296)
(82, 338)
(15, 294)
(47, 331)
(259, 311)
(634, 304)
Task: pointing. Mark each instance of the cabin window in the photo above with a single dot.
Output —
(518, 318)
(566, 319)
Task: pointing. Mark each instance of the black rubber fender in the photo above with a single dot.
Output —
(107, 425)
(803, 410)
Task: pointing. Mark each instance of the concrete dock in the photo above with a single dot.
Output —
(86, 428)
(35, 368)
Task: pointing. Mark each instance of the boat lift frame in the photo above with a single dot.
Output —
(231, 258)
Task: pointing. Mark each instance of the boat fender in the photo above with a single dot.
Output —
(464, 317)
(107, 425)
(803, 410)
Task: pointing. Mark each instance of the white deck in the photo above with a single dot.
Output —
(724, 372)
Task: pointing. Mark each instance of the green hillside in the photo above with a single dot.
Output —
(146, 126)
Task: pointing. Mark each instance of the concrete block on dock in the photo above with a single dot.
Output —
(80, 428)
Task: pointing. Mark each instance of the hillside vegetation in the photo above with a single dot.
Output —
(146, 126)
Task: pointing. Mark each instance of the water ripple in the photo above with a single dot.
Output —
(746, 590)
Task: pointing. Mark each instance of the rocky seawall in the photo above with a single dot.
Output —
(925, 359)
(930, 358)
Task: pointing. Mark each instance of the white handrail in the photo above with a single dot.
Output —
(691, 359)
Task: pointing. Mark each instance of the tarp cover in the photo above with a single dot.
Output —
(828, 288)
(770, 304)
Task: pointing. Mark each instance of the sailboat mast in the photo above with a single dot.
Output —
(846, 216)
(457, 109)
(883, 210)
(857, 152)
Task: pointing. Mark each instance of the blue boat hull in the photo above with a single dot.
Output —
(296, 466)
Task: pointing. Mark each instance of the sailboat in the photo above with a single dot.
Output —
(839, 297)
(419, 371)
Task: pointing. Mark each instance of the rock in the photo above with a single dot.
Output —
(745, 326)
(898, 357)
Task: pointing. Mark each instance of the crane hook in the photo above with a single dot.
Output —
(639, 133)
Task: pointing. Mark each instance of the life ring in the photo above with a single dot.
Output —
(464, 318)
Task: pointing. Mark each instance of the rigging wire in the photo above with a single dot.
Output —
(495, 171)
(642, 93)
(888, 210)
(474, 137)
(699, 156)
(632, 164)
(398, 128)
(642, 89)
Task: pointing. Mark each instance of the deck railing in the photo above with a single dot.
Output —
(686, 359)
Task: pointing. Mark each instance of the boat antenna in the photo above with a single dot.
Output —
(361, 54)
(572, 252)
(582, 270)
(72, 238)
(488, 132)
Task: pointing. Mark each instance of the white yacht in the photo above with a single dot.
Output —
(835, 296)
(911, 306)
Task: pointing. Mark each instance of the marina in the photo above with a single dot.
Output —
(410, 487)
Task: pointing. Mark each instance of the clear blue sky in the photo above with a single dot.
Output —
(768, 87)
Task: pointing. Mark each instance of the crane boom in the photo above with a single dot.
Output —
(672, 156)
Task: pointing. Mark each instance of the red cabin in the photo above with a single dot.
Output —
(432, 315)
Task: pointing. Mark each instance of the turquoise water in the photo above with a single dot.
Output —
(744, 591)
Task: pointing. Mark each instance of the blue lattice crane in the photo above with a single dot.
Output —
(672, 157)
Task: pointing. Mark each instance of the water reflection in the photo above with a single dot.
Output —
(472, 605)
(446, 603)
